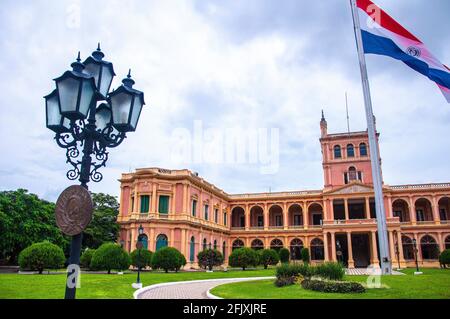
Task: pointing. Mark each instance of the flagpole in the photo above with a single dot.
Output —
(386, 266)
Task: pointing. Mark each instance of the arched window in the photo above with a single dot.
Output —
(144, 240)
(237, 244)
(204, 243)
(161, 241)
(337, 151)
(276, 244)
(257, 244)
(350, 150)
(447, 242)
(192, 250)
(317, 250)
(352, 175)
(296, 248)
(362, 149)
(429, 247)
(408, 248)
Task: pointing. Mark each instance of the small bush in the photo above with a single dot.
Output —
(444, 258)
(330, 270)
(284, 255)
(243, 258)
(268, 257)
(305, 255)
(141, 258)
(110, 256)
(333, 286)
(168, 258)
(285, 281)
(86, 258)
(40, 256)
(294, 270)
(210, 258)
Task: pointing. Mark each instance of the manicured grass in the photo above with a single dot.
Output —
(102, 285)
(433, 284)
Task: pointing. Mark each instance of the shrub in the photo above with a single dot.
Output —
(141, 258)
(110, 256)
(444, 258)
(294, 270)
(333, 286)
(168, 258)
(285, 281)
(209, 258)
(305, 255)
(284, 255)
(86, 258)
(330, 270)
(268, 257)
(243, 258)
(40, 256)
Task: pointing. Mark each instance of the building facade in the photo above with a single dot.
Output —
(178, 208)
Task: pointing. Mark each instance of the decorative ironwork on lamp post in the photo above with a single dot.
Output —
(139, 247)
(87, 120)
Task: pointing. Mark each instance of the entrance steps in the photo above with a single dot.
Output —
(367, 272)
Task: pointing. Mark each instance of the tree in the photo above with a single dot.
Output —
(284, 255)
(86, 258)
(141, 258)
(268, 257)
(305, 255)
(168, 258)
(444, 258)
(209, 258)
(26, 219)
(110, 256)
(243, 258)
(103, 226)
(40, 256)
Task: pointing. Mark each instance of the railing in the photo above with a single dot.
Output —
(237, 228)
(274, 194)
(257, 227)
(296, 226)
(276, 227)
(421, 186)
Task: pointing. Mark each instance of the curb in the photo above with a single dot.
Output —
(208, 294)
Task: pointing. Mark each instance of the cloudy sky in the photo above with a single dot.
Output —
(230, 64)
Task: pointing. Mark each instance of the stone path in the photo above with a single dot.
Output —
(196, 289)
(367, 272)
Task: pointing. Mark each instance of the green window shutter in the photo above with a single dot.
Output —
(163, 204)
(145, 199)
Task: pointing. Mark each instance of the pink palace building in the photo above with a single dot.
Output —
(178, 208)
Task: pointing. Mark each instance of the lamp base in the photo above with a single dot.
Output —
(136, 285)
(418, 273)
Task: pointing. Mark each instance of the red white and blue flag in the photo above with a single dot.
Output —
(384, 36)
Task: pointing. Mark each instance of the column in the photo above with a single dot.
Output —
(325, 247)
(185, 200)
(133, 237)
(171, 242)
(266, 217)
(333, 247)
(389, 210)
(412, 211)
(247, 217)
(351, 263)
(174, 197)
(441, 242)
(400, 250)
(151, 243)
(367, 200)
(331, 217)
(136, 202)
(435, 208)
(392, 248)
(285, 216)
(305, 216)
(346, 208)
(154, 206)
(375, 261)
(419, 251)
(183, 243)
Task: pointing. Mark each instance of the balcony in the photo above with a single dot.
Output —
(256, 227)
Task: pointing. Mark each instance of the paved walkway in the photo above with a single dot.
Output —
(367, 272)
(196, 289)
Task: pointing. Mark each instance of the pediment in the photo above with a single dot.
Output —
(354, 188)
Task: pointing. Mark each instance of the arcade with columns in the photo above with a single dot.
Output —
(178, 208)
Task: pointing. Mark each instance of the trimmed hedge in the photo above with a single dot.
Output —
(141, 259)
(42, 255)
(284, 255)
(110, 256)
(243, 258)
(444, 258)
(305, 255)
(268, 257)
(210, 258)
(294, 270)
(168, 258)
(330, 270)
(333, 286)
(86, 258)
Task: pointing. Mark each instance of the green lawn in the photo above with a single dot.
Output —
(434, 283)
(102, 285)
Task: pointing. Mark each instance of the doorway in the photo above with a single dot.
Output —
(361, 250)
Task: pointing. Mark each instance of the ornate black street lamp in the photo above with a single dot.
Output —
(88, 120)
(415, 255)
(397, 253)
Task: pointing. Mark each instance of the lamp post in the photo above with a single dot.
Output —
(139, 246)
(86, 130)
(397, 253)
(415, 257)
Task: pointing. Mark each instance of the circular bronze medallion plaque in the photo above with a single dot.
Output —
(73, 210)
